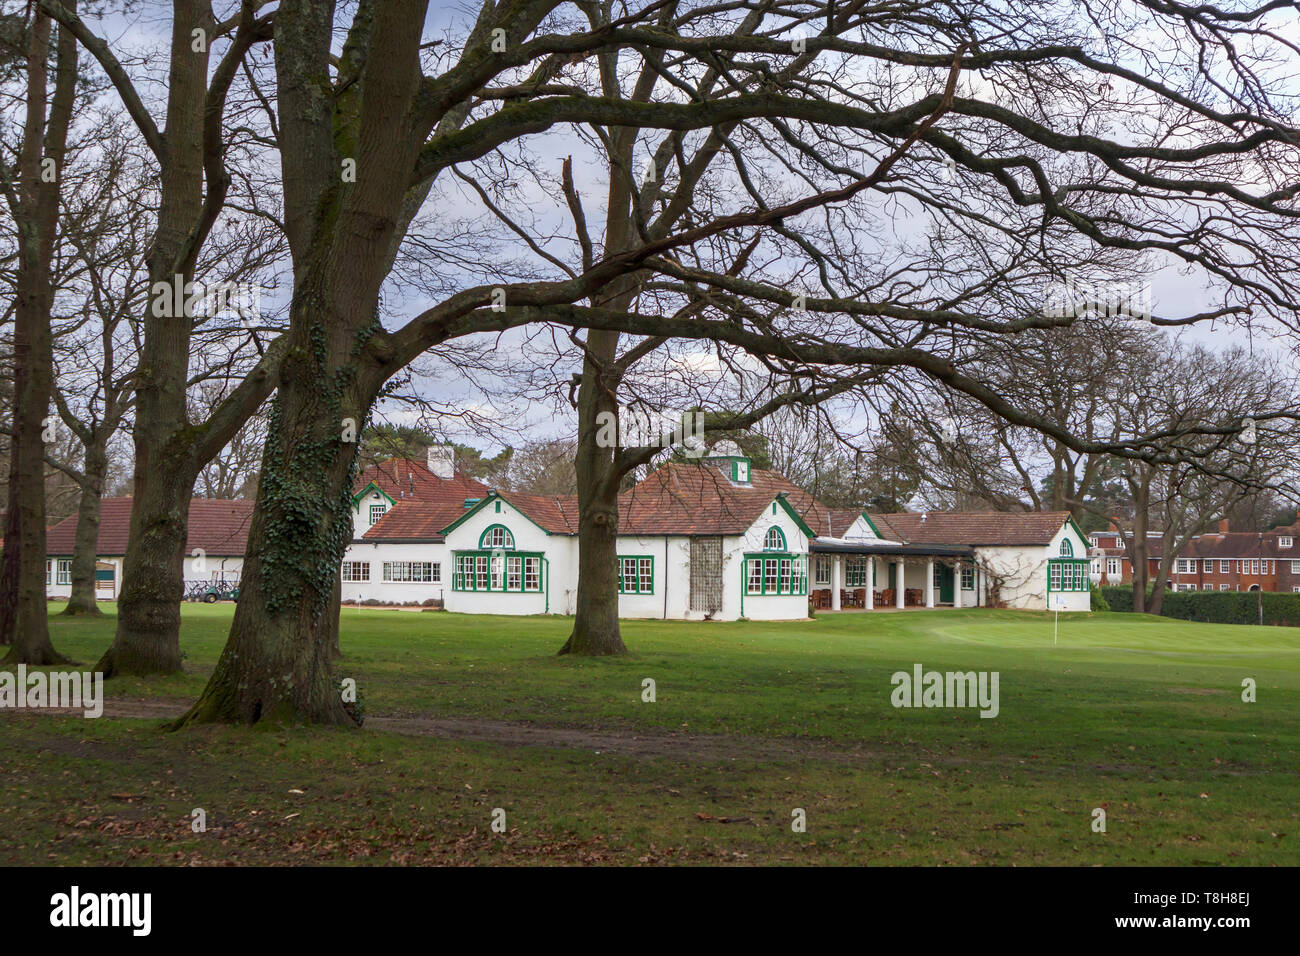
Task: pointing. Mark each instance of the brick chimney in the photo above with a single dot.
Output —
(1223, 526)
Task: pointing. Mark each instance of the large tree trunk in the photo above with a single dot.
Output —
(277, 663)
(148, 622)
(149, 605)
(595, 625)
(32, 380)
(33, 356)
(86, 547)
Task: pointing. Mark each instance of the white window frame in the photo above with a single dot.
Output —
(1284, 541)
(412, 572)
(355, 571)
(821, 562)
(1112, 567)
(63, 572)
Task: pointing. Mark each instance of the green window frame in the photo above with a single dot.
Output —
(774, 540)
(487, 541)
(636, 574)
(770, 573)
(1067, 548)
(519, 572)
(1068, 574)
(857, 572)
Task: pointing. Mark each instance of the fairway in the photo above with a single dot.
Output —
(1141, 717)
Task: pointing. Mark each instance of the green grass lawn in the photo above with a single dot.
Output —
(1140, 716)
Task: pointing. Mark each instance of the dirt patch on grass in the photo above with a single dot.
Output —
(670, 744)
(704, 747)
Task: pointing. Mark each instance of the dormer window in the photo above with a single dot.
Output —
(1284, 541)
(377, 512)
(497, 536)
(774, 540)
(742, 471)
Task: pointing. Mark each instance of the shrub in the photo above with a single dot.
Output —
(1117, 598)
(1218, 607)
(1099, 602)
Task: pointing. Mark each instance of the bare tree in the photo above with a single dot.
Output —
(190, 148)
(31, 191)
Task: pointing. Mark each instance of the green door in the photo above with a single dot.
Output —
(893, 570)
(943, 580)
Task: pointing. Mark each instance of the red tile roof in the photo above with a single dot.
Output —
(415, 521)
(685, 499)
(558, 514)
(217, 526)
(409, 479)
(884, 528)
(993, 528)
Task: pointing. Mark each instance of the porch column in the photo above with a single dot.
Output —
(871, 583)
(836, 578)
(901, 580)
(929, 583)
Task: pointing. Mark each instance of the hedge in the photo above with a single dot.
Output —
(1216, 607)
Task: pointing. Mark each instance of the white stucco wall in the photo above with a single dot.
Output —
(559, 572)
(361, 515)
(396, 592)
(671, 576)
(769, 607)
(1024, 574)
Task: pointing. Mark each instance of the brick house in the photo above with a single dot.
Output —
(1221, 560)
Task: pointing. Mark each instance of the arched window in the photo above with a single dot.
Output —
(497, 536)
(775, 540)
(1067, 549)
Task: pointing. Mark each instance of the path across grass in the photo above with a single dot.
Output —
(1139, 716)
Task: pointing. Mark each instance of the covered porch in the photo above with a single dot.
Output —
(860, 575)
